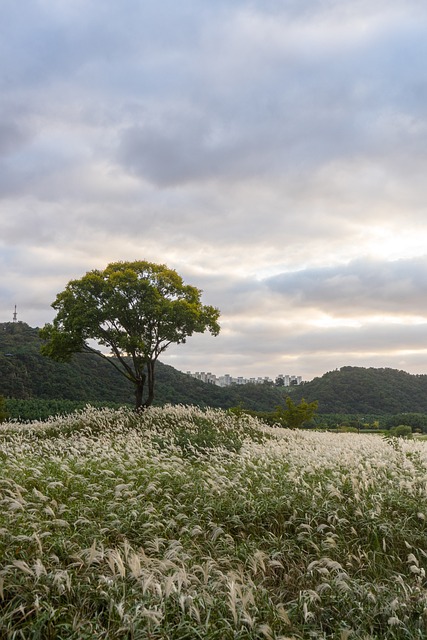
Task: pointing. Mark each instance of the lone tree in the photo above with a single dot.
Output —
(136, 309)
(296, 414)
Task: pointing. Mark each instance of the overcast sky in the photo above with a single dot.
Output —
(273, 152)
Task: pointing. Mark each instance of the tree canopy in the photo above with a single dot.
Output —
(296, 415)
(135, 309)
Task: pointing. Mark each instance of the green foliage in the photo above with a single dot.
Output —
(42, 409)
(4, 414)
(200, 435)
(415, 420)
(363, 391)
(295, 415)
(27, 376)
(270, 418)
(401, 431)
(136, 310)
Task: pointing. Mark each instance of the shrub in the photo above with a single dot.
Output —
(401, 431)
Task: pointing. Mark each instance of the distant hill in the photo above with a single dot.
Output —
(358, 390)
(25, 373)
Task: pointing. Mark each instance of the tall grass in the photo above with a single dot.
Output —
(181, 523)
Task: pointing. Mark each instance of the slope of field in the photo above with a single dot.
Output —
(182, 523)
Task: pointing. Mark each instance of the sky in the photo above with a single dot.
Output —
(273, 152)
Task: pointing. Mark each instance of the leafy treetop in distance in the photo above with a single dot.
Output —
(296, 414)
(136, 309)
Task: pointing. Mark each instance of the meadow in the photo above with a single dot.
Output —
(180, 523)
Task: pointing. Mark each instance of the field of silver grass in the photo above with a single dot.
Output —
(180, 523)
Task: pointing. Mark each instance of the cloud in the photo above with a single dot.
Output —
(365, 314)
(274, 94)
(360, 288)
(272, 152)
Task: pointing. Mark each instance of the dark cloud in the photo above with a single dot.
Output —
(294, 99)
(13, 136)
(360, 287)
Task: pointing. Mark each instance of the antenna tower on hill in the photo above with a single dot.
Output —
(15, 315)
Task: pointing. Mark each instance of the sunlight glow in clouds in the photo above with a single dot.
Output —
(395, 244)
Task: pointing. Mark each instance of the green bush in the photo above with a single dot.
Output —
(401, 431)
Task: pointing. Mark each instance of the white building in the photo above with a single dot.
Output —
(226, 380)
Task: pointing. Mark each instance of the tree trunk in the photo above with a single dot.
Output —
(150, 378)
(139, 390)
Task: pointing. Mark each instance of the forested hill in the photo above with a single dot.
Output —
(25, 373)
(357, 390)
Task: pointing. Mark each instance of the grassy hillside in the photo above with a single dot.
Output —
(180, 524)
(356, 390)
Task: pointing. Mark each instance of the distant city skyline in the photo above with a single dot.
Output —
(225, 380)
